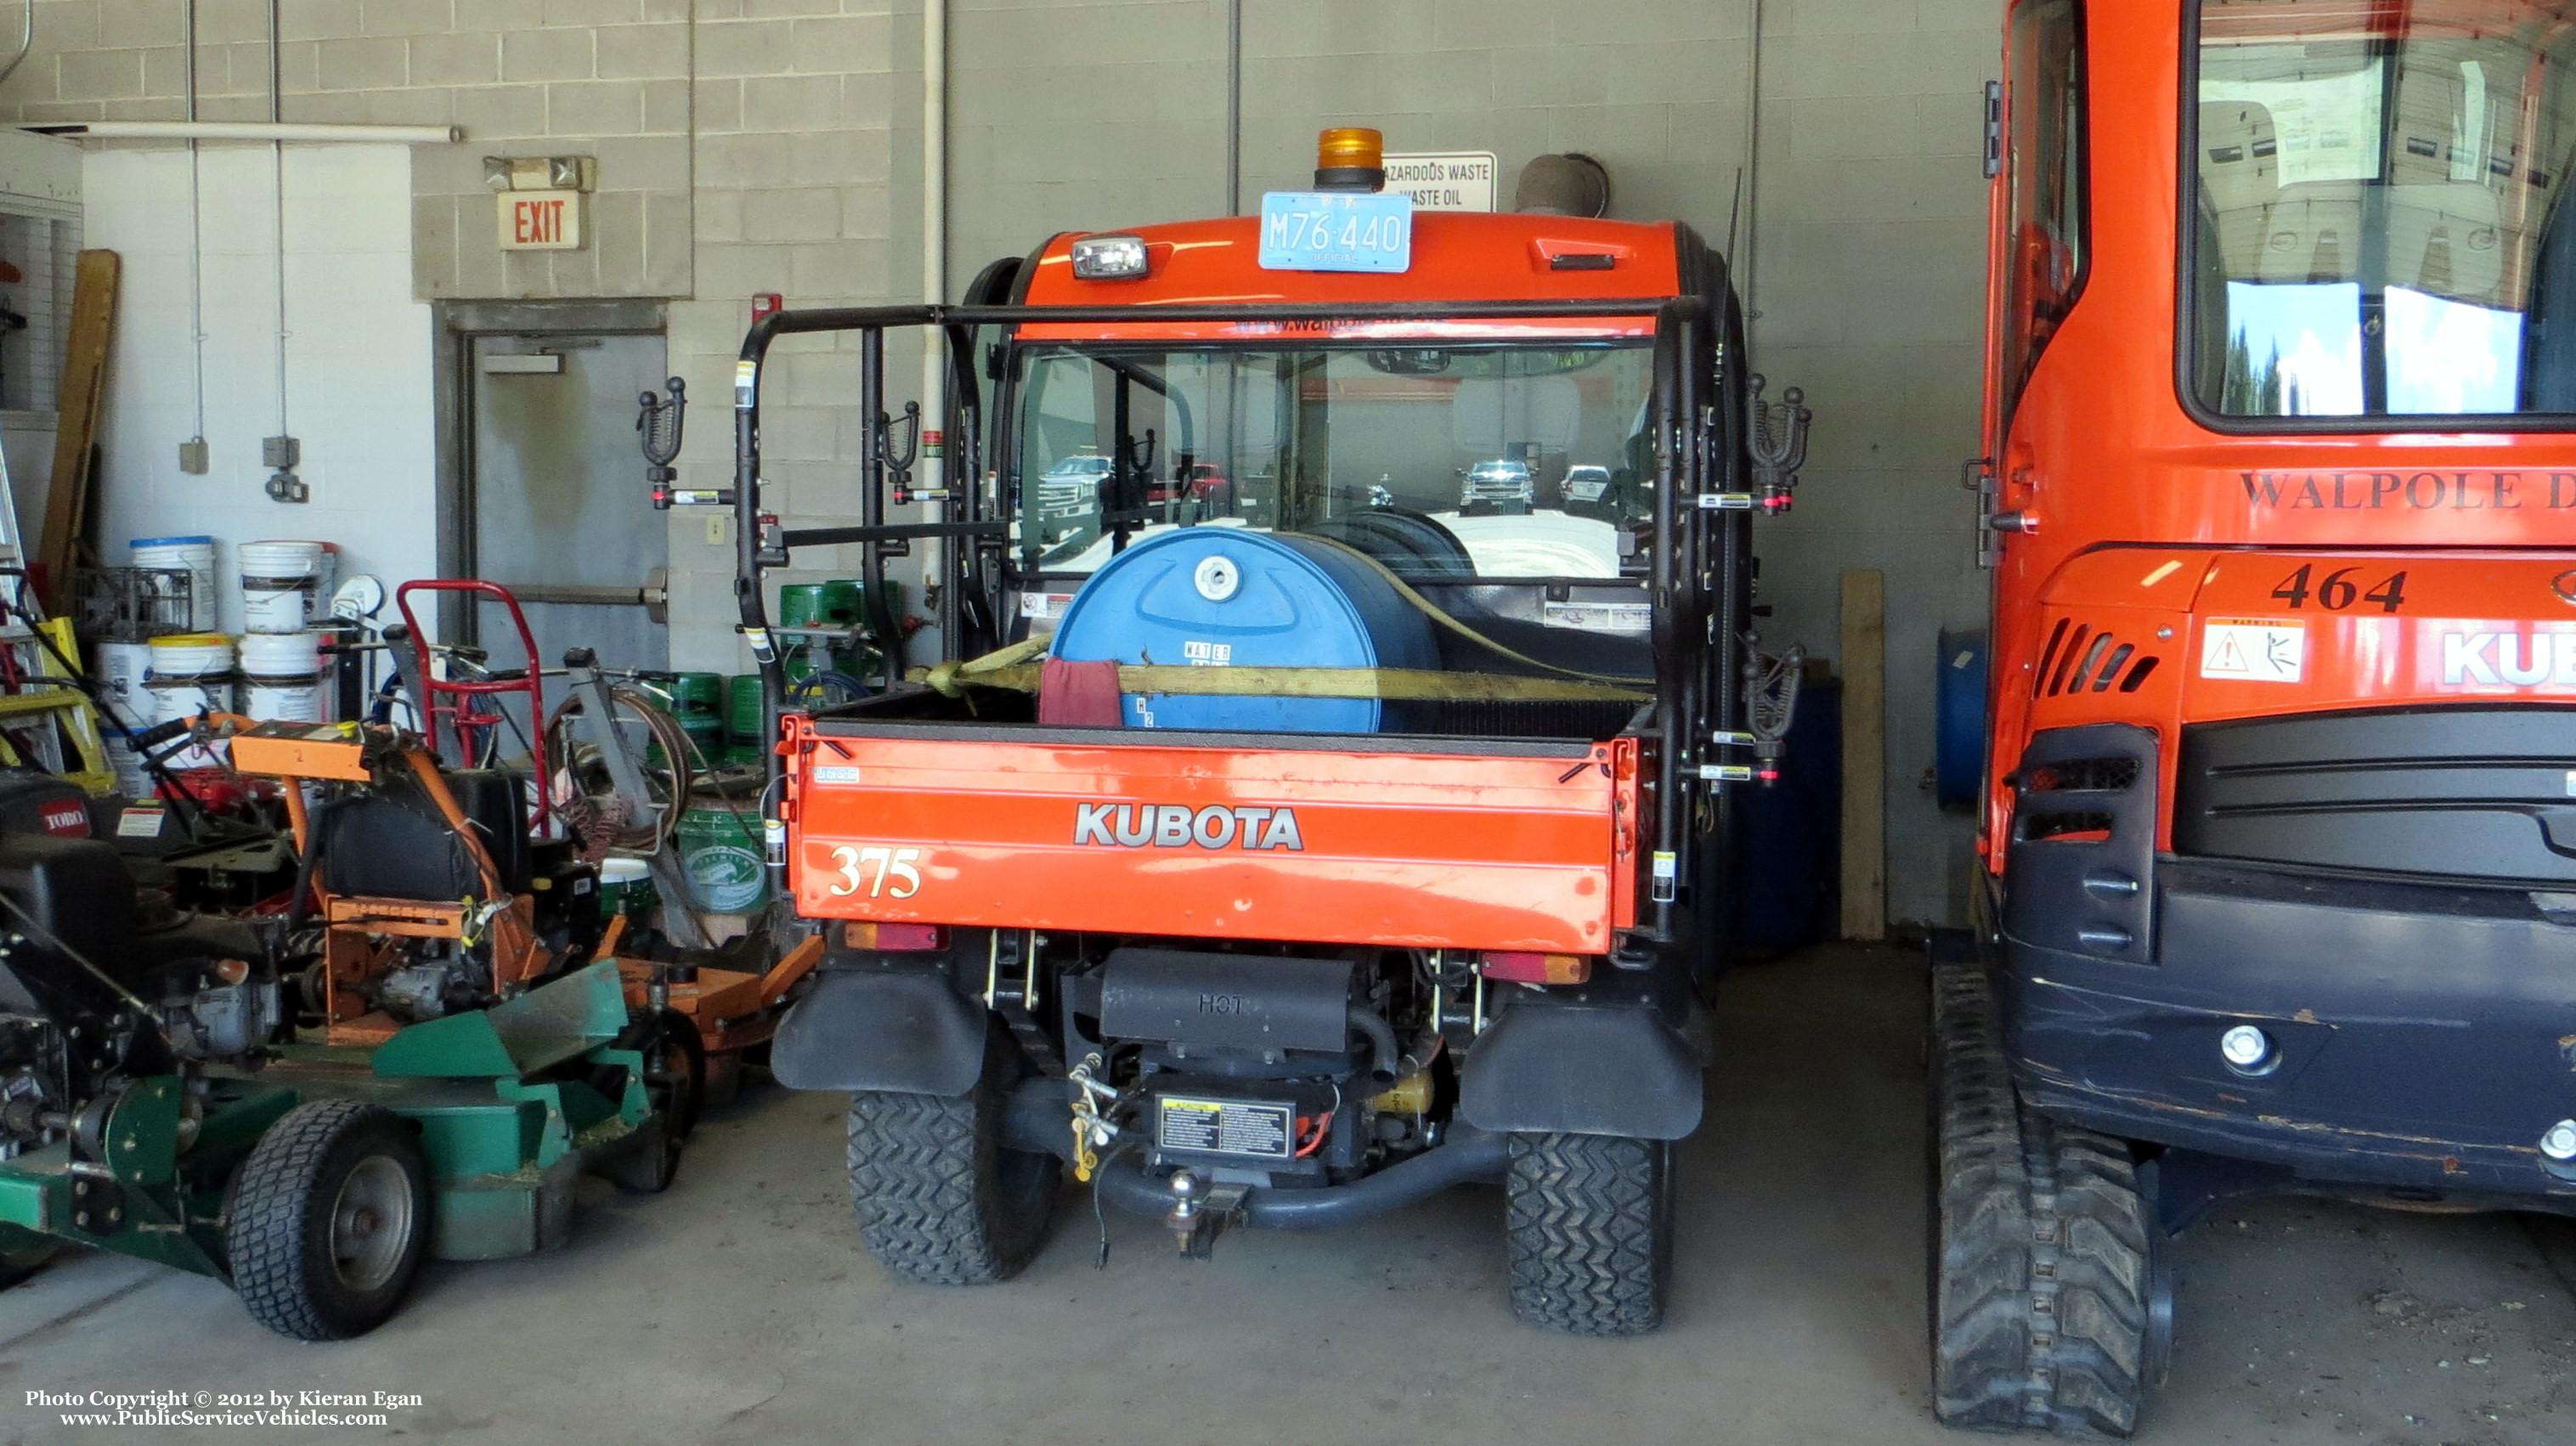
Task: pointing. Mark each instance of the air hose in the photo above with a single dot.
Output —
(608, 823)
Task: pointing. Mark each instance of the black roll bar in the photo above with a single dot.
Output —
(1679, 463)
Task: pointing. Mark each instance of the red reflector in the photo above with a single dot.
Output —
(1538, 968)
(895, 938)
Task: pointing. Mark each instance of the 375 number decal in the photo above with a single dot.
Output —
(869, 869)
(2337, 591)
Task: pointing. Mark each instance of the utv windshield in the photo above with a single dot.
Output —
(2382, 227)
(1455, 461)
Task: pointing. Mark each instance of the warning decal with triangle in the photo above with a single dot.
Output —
(2247, 650)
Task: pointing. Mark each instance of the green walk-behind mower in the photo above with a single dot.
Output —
(156, 1099)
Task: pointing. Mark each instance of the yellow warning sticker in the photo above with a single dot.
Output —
(1227, 1127)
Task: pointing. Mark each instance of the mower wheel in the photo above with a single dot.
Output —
(24, 1252)
(675, 1074)
(2050, 1311)
(330, 1218)
(940, 1198)
(1590, 1220)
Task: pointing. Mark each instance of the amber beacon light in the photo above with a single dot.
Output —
(1350, 158)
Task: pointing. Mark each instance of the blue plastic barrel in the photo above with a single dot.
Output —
(1790, 832)
(1223, 597)
(1959, 752)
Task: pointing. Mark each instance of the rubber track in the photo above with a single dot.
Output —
(1588, 1222)
(913, 1180)
(2043, 1245)
(264, 1242)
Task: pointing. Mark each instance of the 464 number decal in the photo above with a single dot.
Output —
(876, 870)
(2337, 591)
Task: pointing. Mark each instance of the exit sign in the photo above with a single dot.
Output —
(540, 220)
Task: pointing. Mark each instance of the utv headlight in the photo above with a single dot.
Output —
(1109, 258)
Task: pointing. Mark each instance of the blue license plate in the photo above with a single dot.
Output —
(1336, 231)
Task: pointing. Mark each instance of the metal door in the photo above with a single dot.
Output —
(555, 496)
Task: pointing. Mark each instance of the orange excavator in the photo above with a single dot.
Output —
(2279, 795)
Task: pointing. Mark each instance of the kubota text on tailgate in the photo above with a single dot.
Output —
(1175, 825)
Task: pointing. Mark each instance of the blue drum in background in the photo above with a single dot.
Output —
(1959, 750)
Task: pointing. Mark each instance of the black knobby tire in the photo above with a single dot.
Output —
(940, 1197)
(2045, 1302)
(329, 1220)
(1590, 1226)
(675, 1073)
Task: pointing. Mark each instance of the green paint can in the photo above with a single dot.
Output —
(841, 601)
(801, 605)
(695, 695)
(743, 709)
(706, 739)
(626, 887)
(720, 851)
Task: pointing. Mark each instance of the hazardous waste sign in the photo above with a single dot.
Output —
(1449, 181)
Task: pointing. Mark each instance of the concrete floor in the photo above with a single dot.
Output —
(739, 1308)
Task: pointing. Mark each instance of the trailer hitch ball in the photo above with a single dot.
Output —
(1185, 1200)
(2249, 1050)
(2559, 1143)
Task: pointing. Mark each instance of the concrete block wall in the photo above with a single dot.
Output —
(357, 355)
(1870, 284)
(772, 145)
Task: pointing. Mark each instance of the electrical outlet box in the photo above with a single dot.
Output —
(192, 456)
(716, 529)
(280, 452)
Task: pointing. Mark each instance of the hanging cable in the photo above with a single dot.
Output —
(26, 42)
(277, 166)
(196, 259)
(1743, 266)
(1233, 108)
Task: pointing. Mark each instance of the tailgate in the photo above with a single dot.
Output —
(1527, 847)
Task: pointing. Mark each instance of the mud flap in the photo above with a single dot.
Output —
(1582, 1069)
(904, 1032)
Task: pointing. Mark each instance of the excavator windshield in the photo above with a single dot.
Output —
(2382, 225)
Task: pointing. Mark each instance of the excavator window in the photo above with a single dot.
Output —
(2045, 210)
(2381, 227)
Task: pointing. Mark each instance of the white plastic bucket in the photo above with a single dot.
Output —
(283, 584)
(177, 698)
(191, 655)
(121, 669)
(283, 700)
(281, 655)
(194, 556)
